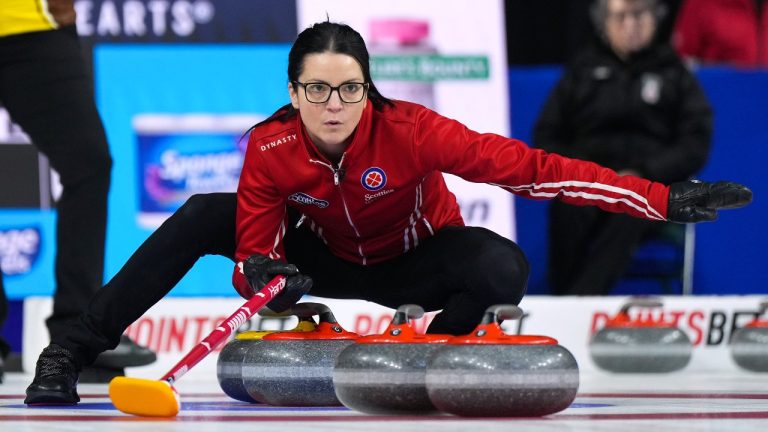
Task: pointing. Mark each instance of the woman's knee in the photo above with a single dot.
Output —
(502, 269)
(206, 222)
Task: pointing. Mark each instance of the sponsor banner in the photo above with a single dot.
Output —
(27, 246)
(20, 249)
(443, 54)
(708, 321)
(183, 155)
(174, 114)
(429, 67)
(175, 325)
(186, 20)
(176, 57)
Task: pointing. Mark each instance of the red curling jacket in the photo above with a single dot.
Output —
(387, 193)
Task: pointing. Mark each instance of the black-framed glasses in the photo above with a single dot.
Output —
(318, 92)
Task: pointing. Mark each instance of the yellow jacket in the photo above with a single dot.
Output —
(25, 16)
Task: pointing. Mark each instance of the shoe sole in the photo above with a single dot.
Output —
(46, 404)
(51, 398)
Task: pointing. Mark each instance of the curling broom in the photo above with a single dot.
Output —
(144, 397)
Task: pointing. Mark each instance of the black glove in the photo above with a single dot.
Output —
(260, 269)
(696, 201)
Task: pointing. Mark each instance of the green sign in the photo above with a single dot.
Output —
(429, 67)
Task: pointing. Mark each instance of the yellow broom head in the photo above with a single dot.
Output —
(143, 397)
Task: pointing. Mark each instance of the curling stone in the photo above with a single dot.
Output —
(640, 345)
(749, 344)
(295, 368)
(491, 374)
(229, 367)
(385, 374)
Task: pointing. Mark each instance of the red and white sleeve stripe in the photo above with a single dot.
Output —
(609, 197)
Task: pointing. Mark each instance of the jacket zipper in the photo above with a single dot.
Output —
(337, 182)
(301, 220)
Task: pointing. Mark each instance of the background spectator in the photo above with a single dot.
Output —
(47, 89)
(627, 103)
(552, 31)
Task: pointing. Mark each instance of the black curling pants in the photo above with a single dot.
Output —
(46, 89)
(461, 270)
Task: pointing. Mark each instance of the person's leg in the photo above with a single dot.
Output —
(571, 231)
(48, 92)
(610, 253)
(460, 270)
(332, 277)
(204, 225)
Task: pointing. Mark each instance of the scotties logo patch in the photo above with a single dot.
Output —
(374, 179)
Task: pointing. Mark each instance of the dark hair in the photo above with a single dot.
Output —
(328, 37)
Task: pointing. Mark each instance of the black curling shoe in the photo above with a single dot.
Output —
(55, 381)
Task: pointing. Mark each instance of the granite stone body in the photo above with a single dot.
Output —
(641, 349)
(502, 380)
(749, 348)
(292, 372)
(229, 369)
(386, 378)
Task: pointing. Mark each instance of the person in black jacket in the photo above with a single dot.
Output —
(47, 89)
(628, 103)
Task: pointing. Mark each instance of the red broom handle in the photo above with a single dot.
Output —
(225, 329)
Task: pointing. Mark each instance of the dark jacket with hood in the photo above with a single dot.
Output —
(647, 114)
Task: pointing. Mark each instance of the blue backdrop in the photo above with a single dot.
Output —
(177, 79)
(728, 254)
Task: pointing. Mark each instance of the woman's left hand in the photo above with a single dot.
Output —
(697, 201)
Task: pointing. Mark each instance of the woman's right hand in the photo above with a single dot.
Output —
(260, 269)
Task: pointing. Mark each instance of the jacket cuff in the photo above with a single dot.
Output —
(241, 283)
